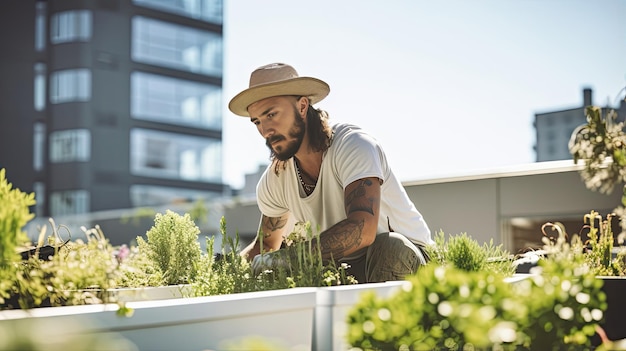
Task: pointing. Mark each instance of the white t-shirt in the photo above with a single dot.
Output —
(352, 155)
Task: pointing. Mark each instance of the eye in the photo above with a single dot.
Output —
(271, 115)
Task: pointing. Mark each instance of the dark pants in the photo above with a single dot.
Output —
(392, 256)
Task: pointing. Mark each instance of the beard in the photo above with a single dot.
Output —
(296, 134)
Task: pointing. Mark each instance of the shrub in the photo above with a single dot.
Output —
(172, 245)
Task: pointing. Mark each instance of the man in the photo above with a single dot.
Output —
(335, 177)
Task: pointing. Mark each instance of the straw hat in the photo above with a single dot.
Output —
(277, 79)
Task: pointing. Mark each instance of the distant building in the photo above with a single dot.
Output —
(554, 129)
(111, 104)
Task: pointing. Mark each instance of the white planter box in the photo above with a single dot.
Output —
(149, 293)
(284, 317)
(333, 305)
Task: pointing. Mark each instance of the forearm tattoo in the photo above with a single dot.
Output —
(340, 238)
(357, 201)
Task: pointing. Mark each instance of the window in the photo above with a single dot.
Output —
(175, 101)
(69, 202)
(40, 198)
(175, 156)
(152, 195)
(70, 85)
(40, 26)
(70, 26)
(206, 10)
(174, 46)
(39, 93)
(39, 142)
(70, 146)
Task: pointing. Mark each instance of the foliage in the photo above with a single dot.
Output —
(172, 245)
(444, 307)
(77, 273)
(225, 273)
(570, 302)
(464, 252)
(599, 255)
(601, 144)
(14, 214)
(228, 272)
(303, 264)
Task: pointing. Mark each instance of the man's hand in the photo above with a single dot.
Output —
(269, 261)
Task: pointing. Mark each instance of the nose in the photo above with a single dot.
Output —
(265, 130)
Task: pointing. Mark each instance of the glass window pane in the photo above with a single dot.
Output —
(70, 26)
(70, 85)
(152, 195)
(69, 202)
(175, 156)
(174, 46)
(39, 142)
(176, 101)
(39, 93)
(206, 10)
(40, 26)
(70, 145)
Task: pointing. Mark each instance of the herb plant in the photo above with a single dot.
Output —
(228, 272)
(172, 244)
(14, 214)
(465, 253)
(443, 307)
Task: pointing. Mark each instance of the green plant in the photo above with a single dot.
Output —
(225, 273)
(172, 244)
(302, 266)
(78, 273)
(464, 252)
(14, 214)
(599, 254)
(601, 144)
(444, 307)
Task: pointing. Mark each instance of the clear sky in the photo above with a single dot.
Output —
(447, 86)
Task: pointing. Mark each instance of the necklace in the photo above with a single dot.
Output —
(308, 188)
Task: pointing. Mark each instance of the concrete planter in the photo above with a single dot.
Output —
(333, 304)
(284, 317)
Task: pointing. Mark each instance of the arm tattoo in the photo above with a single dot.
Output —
(357, 201)
(341, 237)
(274, 223)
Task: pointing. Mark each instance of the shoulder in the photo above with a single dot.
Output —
(351, 137)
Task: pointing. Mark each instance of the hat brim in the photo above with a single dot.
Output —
(316, 90)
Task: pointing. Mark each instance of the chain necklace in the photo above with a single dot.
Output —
(308, 188)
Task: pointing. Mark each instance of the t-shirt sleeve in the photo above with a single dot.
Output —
(360, 156)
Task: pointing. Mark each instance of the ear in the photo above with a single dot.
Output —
(303, 106)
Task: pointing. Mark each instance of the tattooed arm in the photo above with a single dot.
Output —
(272, 230)
(358, 230)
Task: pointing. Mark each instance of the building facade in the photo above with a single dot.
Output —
(111, 104)
(554, 129)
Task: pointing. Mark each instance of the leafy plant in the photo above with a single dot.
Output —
(224, 273)
(78, 273)
(444, 307)
(464, 252)
(601, 144)
(172, 244)
(14, 214)
(302, 266)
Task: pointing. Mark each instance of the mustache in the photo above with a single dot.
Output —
(269, 141)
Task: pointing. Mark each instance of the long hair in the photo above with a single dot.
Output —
(318, 130)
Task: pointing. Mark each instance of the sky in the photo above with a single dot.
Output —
(448, 87)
